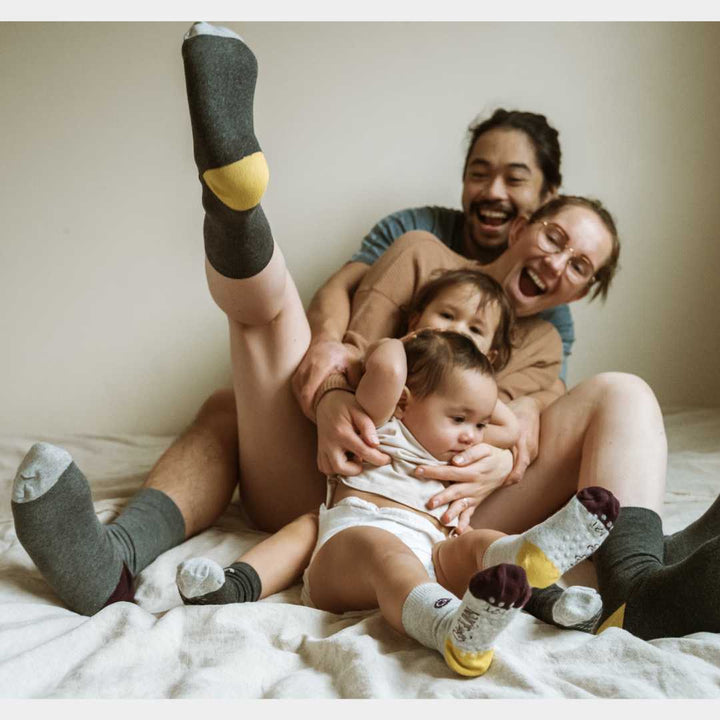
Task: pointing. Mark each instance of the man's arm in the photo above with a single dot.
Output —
(328, 315)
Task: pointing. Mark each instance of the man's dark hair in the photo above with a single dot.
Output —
(603, 276)
(543, 137)
(433, 354)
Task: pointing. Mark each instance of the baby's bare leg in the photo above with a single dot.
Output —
(272, 565)
(545, 551)
(361, 568)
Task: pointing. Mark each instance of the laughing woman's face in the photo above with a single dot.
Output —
(536, 280)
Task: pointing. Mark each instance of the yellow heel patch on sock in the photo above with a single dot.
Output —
(617, 619)
(240, 185)
(467, 663)
(540, 571)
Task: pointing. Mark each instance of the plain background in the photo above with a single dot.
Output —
(106, 323)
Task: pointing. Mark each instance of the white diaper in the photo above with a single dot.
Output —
(417, 533)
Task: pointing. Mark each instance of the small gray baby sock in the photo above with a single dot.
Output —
(88, 564)
(201, 581)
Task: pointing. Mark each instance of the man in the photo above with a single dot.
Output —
(512, 167)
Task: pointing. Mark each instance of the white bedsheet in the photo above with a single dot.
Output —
(279, 649)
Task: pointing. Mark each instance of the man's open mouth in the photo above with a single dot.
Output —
(493, 217)
(531, 284)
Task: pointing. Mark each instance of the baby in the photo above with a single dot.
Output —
(431, 395)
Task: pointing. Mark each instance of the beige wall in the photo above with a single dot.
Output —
(106, 323)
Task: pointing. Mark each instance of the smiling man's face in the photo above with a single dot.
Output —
(502, 181)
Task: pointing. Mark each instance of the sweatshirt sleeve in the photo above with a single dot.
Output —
(535, 363)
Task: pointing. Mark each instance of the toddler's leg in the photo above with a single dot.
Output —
(545, 551)
(573, 608)
(281, 559)
(548, 550)
(362, 568)
(465, 632)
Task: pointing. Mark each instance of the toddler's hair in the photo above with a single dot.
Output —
(490, 291)
(433, 354)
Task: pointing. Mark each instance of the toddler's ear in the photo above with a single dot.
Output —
(401, 407)
(492, 356)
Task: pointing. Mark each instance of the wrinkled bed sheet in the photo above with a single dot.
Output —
(278, 648)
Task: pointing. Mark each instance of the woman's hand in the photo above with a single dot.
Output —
(345, 429)
(475, 474)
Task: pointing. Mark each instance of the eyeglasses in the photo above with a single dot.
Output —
(553, 240)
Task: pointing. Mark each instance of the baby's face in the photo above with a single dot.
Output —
(449, 421)
(459, 308)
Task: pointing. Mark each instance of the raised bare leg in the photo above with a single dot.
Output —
(246, 272)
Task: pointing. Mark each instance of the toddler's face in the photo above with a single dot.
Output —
(449, 421)
(459, 308)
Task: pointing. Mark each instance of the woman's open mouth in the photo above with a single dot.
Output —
(530, 283)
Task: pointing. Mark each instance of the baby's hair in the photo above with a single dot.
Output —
(490, 291)
(433, 354)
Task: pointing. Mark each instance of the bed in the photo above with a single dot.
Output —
(277, 648)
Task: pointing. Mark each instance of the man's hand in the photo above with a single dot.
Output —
(474, 474)
(322, 359)
(344, 428)
(526, 450)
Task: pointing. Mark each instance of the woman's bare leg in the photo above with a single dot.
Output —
(248, 279)
(607, 431)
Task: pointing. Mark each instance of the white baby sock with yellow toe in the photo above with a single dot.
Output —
(548, 550)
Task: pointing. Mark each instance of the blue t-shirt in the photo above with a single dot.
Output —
(447, 225)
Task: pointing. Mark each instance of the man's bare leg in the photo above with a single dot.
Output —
(199, 471)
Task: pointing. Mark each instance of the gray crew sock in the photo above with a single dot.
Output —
(573, 608)
(202, 581)
(220, 75)
(684, 542)
(88, 564)
(647, 598)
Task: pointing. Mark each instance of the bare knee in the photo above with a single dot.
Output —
(619, 386)
(218, 407)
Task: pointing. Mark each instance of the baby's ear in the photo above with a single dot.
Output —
(401, 407)
(492, 356)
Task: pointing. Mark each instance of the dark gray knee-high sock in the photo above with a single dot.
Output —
(220, 75)
(202, 581)
(88, 564)
(684, 542)
(573, 608)
(645, 597)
